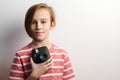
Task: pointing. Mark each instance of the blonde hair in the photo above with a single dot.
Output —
(30, 13)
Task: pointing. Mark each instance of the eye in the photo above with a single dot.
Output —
(33, 22)
(43, 22)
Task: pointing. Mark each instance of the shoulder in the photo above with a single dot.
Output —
(26, 50)
(58, 49)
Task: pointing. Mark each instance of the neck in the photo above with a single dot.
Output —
(41, 43)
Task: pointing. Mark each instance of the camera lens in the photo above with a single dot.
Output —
(43, 56)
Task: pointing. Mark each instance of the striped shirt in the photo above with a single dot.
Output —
(61, 70)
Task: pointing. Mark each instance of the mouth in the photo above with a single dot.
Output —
(38, 33)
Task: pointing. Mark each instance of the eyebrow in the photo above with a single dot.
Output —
(43, 19)
(40, 19)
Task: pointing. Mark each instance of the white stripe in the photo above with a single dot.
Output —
(58, 60)
(67, 56)
(68, 75)
(16, 78)
(21, 71)
(50, 54)
(17, 71)
(28, 70)
(16, 64)
(67, 69)
(52, 74)
(26, 63)
(58, 53)
(18, 57)
(25, 50)
(67, 63)
(24, 56)
(29, 56)
(20, 64)
(56, 47)
(29, 62)
(57, 67)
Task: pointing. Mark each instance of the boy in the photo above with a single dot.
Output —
(39, 21)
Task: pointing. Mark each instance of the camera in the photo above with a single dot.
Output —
(40, 54)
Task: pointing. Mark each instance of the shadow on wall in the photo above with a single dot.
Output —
(8, 47)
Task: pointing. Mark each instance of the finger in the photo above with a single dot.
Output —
(49, 65)
(48, 61)
(31, 60)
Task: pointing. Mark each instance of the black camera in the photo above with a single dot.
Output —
(40, 54)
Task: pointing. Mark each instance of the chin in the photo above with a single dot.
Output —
(40, 39)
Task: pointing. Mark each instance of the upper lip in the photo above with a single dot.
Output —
(39, 32)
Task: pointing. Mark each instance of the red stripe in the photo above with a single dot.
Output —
(14, 67)
(52, 78)
(68, 72)
(70, 77)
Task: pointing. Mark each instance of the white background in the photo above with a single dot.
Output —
(88, 29)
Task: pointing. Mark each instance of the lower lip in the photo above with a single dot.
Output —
(39, 33)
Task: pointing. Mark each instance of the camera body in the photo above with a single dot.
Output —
(40, 54)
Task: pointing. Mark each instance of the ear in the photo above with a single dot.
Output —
(52, 25)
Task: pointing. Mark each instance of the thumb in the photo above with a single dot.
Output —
(31, 60)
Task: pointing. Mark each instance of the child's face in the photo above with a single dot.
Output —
(41, 25)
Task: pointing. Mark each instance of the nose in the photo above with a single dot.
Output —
(39, 26)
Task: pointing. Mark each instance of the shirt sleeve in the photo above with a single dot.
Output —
(17, 71)
(68, 70)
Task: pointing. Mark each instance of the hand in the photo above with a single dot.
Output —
(39, 69)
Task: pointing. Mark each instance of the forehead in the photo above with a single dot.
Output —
(41, 13)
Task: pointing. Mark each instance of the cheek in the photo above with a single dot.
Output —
(32, 27)
(47, 31)
(47, 27)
